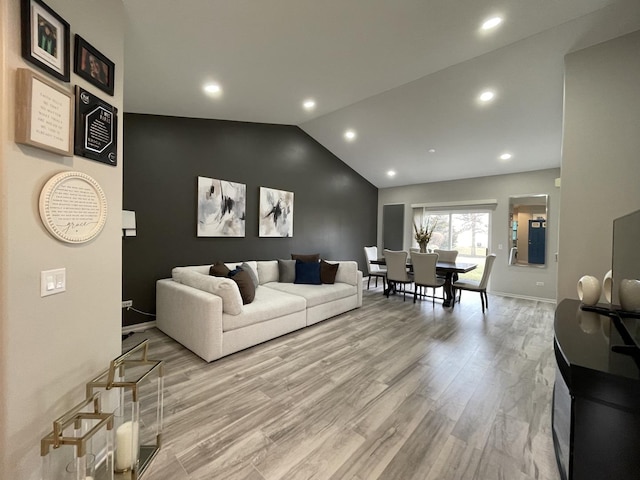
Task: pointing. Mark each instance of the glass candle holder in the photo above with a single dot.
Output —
(80, 447)
(134, 386)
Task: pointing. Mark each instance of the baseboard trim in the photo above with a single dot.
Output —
(524, 297)
(138, 327)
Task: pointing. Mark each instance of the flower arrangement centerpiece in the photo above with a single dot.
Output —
(423, 234)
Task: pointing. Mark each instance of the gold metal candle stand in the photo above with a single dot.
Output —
(89, 434)
(135, 387)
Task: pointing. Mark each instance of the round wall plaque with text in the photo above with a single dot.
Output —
(73, 207)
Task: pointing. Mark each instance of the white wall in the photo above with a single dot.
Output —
(50, 347)
(601, 155)
(513, 280)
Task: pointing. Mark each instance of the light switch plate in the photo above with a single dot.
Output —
(53, 281)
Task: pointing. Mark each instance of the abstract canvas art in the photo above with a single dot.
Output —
(221, 208)
(276, 213)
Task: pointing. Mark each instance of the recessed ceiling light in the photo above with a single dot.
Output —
(350, 134)
(212, 89)
(432, 150)
(309, 104)
(492, 22)
(505, 156)
(391, 173)
(487, 96)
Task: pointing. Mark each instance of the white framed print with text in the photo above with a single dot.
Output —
(73, 207)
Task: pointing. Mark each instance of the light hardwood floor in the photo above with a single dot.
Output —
(392, 390)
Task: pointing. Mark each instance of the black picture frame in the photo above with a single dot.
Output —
(93, 66)
(46, 38)
(96, 128)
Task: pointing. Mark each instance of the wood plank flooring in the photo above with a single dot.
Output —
(390, 391)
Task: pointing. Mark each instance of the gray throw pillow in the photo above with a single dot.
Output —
(254, 276)
(287, 271)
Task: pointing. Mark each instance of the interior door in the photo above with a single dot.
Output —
(393, 226)
(537, 236)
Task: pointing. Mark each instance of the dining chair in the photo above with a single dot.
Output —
(397, 271)
(474, 286)
(374, 270)
(447, 256)
(424, 274)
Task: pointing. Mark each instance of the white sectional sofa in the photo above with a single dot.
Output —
(205, 313)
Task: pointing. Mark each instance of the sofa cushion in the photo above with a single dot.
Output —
(219, 269)
(225, 288)
(307, 272)
(315, 294)
(252, 273)
(268, 304)
(267, 271)
(328, 272)
(286, 271)
(313, 257)
(245, 284)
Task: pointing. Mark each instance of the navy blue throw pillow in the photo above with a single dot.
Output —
(308, 272)
(233, 272)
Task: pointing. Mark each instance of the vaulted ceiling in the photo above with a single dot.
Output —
(403, 75)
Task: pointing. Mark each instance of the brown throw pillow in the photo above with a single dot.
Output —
(313, 257)
(245, 285)
(328, 272)
(219, 269)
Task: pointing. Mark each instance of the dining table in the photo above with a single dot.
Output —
(447, 269)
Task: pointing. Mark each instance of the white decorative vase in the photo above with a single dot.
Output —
(589, 290)
(607, 286)
(629, 293)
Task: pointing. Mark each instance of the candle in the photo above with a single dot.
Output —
(126, 439)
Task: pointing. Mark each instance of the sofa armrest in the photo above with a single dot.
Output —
(359, 287)
(348, 273)
(190, 316)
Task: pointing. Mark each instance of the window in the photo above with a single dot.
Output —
(466, 231)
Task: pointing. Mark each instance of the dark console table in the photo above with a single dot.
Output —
(596, 396)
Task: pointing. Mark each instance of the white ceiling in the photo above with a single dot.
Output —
(404, 74)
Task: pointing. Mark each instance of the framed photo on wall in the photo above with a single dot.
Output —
(45, 38)
(93, 66)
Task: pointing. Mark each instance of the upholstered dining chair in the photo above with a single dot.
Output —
(447, 256)
(424, 274)
(376, 271)
(472, 286)
(397, 271)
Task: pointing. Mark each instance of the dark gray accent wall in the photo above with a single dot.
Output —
(335, 209)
